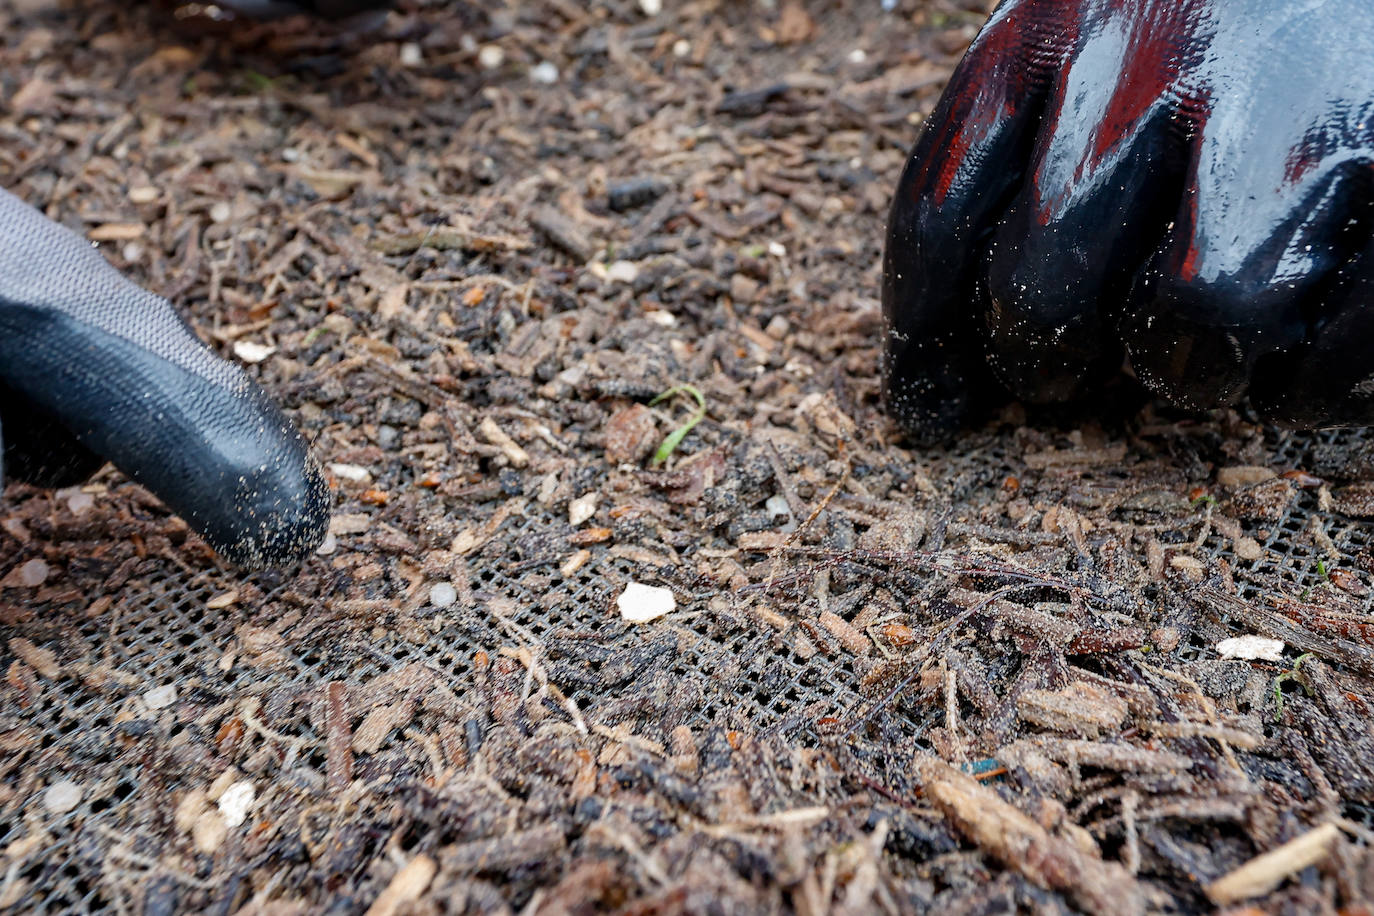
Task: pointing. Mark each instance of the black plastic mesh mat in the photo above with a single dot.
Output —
(96, 720)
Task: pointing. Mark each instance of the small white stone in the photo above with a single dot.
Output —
(251, 352)
(651, 7)
(777, 249)
(641, 603)
(328, 545)
(682, 47)
(237, 801)
(132, 251)
(581, 509)
(661, 318)
(61, 797)
(858, 56)
(544, 72)
(777, 505)
(80, 503)
(221, 212)
(33, 573)
(442, 595)
(411, 55)
(1251, 647)
(491, 57)
(161, 697)
(623, 271)
(354, 472)
(290, 154)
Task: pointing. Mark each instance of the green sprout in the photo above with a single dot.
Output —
(1289, 675)
(258, 81)
(674, 438)
(1205, 498)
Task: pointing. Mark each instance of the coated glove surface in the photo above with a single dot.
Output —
(94, 368)
(1184, 184)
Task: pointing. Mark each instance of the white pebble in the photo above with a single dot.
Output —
(581, 509)
(80, 503)
(651, 7)
(132, 251)
(777, 249)
(61, 797)
(1251, 647)
(641, 603)
(328, 545)
(353, 472)
(33, 573)
(544, 72)
(442, 595)
(161, 697)
(682, 47)
(237, 801)
(858, 56)
(491, 57)
(251, 352)
(777, 505)
(411, 56)
(623, 272)
(221, 212)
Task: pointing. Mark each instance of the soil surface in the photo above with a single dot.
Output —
(490, 258)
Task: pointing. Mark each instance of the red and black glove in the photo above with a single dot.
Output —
(1186, 186)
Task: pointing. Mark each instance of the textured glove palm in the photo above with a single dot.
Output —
(1183, 184)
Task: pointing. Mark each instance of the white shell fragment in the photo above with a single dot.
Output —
(544, 72)
(1251, 647)
(251, 352)
(442, 595)
(161, 697)
(641, 603)
(61, 796)
(581, 509)
(237, 801)
(353, 472)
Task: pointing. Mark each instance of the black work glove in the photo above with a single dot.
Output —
(93, 368)
(1184, 184)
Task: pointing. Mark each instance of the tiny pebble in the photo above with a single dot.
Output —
(251, 352)
(777, 249)
(682, 47)
(33, 573)
(221, 212)
(544, 72)
(775, 506)
(132, 251)
(411, 55)
(491, 57)
(641, 603)
(581, 509)
(328, 545)
(61, 797)
(354, 472)
(161, 697)
(80, 503)
(237, 801)
(651, 7)
(858, 56)
(623, 272)
(442, 595)
(777, 328)
(143, 194)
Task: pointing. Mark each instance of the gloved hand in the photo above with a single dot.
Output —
(92, 368)
(1186, 184)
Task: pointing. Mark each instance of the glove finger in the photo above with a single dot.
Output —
(1329, 380)
(38, 450)
(117, 367)
(965, 168)
(1106, 177)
